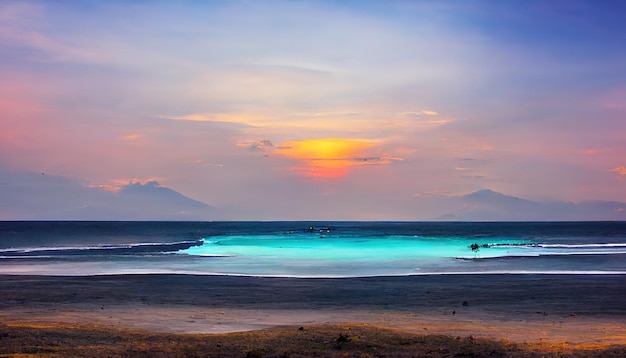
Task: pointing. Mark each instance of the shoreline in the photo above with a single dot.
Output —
(333, 277)
(580, 310)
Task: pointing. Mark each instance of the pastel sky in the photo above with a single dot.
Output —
(319, 109)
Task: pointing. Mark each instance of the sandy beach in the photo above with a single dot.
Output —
(573, 311)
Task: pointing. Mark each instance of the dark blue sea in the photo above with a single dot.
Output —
(312, 249)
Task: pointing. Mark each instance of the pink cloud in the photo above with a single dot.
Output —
(619, 170)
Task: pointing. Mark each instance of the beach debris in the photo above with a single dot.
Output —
(301, 329)
(343, 338)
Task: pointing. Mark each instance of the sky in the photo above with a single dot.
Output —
(317, 109)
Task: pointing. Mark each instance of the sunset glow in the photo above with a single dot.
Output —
(248, 105)
(328, 157)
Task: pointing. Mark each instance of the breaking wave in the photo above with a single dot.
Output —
(128, 249)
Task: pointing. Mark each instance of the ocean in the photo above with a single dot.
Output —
(312, 249)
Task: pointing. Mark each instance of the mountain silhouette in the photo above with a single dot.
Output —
(489, 205)
(32, 196)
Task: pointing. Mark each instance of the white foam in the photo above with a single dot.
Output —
(18, 271)
(582, 246)
(95, 247)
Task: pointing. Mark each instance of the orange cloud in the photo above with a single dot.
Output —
(117, 184)
(113, 188)
(439, 193)
(619, 170)
(126, 181)
(130, 137)
(330, 158)
(591, 151)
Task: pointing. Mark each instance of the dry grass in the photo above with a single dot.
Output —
(346, 340)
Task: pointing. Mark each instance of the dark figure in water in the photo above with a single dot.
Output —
(475, 247)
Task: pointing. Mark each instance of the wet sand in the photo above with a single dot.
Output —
(581, 311)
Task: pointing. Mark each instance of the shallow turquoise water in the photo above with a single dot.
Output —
(338, 248)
